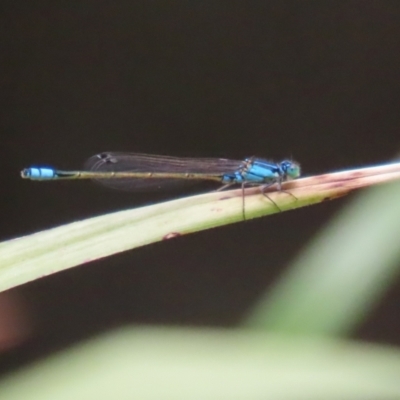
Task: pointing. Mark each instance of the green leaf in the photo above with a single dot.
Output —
(54, 250)
(209, 364)
(344, 271)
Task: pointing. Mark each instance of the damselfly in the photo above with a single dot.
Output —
(141, 172)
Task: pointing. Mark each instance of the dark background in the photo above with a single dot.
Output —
(315, 80)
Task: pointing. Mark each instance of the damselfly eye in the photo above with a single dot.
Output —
(291, 169)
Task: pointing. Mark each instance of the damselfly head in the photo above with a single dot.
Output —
(291, 169)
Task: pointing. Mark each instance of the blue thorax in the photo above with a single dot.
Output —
(258, 171)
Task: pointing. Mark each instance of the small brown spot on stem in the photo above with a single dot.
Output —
(171, 235)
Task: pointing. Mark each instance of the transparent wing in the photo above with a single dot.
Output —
(136, 162)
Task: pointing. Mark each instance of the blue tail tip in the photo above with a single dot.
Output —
(38, 173)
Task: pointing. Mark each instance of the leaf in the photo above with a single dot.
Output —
(43, 253)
